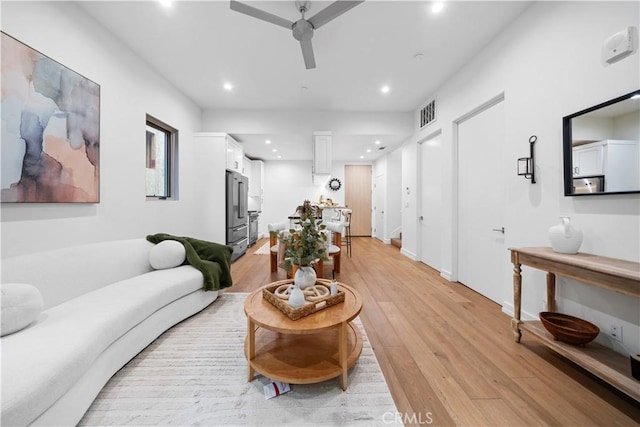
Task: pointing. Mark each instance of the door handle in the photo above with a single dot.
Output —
(501, 230)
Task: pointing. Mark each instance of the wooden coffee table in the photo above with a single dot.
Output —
(312, 349)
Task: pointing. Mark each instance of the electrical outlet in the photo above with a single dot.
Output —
(615, 331)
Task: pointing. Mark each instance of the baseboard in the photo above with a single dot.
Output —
(507, 308)
(446, 275)
(409, 254)
(383, 240)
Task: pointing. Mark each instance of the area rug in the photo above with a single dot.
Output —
(263, 250)
(195, 375)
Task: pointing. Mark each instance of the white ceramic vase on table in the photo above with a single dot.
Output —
(565, 238)
(305, 276)
(296, 297)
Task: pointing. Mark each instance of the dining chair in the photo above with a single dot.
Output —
(333, 246)
(346, 221)
(276, 250)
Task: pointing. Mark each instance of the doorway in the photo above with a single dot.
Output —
(482, 256)
(357, 195)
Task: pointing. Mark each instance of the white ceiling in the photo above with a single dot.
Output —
(200, 45)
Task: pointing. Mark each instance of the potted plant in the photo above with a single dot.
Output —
(305, 244)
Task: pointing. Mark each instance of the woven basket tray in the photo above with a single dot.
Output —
(308, 308)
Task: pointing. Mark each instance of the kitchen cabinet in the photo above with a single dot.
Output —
(209, 177)
(322, 155)
(246, 167)
(587, 160)
(257, 177)
(235, 155)
(617, 160)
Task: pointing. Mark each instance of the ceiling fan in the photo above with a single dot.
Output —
(302, 28)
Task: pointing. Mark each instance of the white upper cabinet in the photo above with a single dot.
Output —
(617, 160)
(322, 153)
(587, 160)
(621, 165)
(235, 155)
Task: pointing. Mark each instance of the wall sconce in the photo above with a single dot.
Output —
(526, 165)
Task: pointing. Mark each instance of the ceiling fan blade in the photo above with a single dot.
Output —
(307, 53)
(332, 11)
(260, 14)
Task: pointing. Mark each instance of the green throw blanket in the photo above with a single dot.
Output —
(213, 260)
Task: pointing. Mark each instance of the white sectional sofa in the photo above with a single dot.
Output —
(103, 304)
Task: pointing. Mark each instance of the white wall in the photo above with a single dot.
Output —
(548, 65)
(599, 128)
(129, 90)
(288, 183)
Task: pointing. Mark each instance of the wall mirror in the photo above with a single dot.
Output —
(601, 148)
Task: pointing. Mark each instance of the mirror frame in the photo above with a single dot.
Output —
(567, 148)
(335, 184)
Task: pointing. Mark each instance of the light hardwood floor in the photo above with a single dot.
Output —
(448, 354)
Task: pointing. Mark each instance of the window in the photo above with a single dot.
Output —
(161, 159)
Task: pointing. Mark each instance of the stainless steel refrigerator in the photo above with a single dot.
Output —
(237, 215)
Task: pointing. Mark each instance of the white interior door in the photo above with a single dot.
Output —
(431, 208)
(379, 194)
(481, 252)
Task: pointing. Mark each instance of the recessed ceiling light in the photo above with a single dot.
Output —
(385, 89)
(268, 141)
(368, 150)
(378, 142)
(166, 3)
(279, 157)
(275, 150)
(362, 157)
(437, 7)
(228, 87)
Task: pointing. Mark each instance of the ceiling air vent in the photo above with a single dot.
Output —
(428, 114)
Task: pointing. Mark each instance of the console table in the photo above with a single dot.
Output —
(608, 273)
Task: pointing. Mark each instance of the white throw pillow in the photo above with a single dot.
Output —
(21, 305)
(167, 254)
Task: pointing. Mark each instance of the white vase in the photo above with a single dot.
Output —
(305, 276)
(564, 237)
(296, 297)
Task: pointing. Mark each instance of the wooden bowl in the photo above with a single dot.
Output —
(569, 329)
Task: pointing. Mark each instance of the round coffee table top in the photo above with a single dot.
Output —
(263, 313)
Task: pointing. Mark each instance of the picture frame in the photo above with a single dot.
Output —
(50, 129)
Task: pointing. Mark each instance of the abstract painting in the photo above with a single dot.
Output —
(50, 147)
